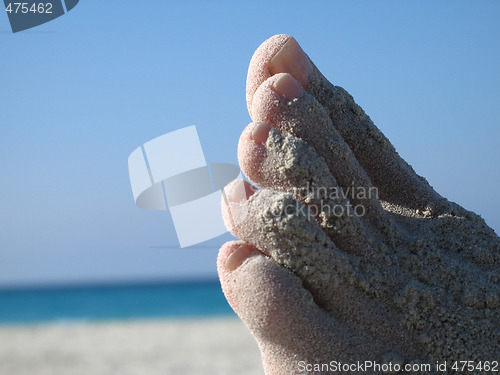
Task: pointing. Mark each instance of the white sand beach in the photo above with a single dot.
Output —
(215, 346)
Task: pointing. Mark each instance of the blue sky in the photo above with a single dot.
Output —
(80, 93)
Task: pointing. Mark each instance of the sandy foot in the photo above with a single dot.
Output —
(347, 254)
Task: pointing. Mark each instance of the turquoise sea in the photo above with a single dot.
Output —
(111, 302)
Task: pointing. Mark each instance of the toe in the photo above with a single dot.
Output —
(282, 163)
(279, 54)
(253, 154)
(287, 231)
(234, 203)
(261, 292)
(280, 313)
(281, 102)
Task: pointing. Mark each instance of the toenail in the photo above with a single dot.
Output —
(292, 59)
(240, 191)
(260, 132)
(288, 87)
(238, 256)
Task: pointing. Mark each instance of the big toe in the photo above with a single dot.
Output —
(283, 317)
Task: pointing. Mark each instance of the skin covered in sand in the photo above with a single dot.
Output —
(408, 278)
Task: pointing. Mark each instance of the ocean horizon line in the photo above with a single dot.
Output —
(98, 284)
(192, 298)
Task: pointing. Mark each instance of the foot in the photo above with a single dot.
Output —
(347, 254)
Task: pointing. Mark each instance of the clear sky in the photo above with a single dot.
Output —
(78, 94)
